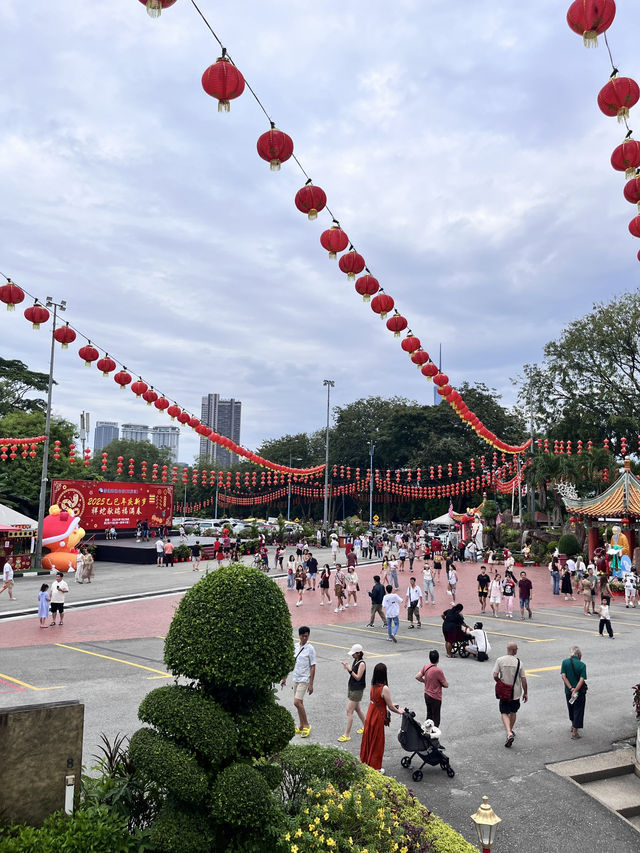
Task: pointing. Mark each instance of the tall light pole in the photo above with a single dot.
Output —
(297, 459)
(325, 521)
(85, 428)
(372, 447)
(62, 306)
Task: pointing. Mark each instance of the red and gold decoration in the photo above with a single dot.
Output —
(590, 18)
(11, 295)
(223, 81)
(311, 199)
(275, 147)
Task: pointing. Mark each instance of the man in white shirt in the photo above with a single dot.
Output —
(365, 547)
(304, 673)
(391, 604)
(414, 600)
(7, 579)
(479, 646)
(59, 589)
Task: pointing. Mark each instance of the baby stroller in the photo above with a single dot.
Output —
(415, 738)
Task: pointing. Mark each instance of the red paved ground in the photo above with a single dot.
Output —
(151, 617)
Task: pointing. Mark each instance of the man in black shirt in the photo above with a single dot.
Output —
(376, 595)
(483, 588)
(312, 571)
(195, 555)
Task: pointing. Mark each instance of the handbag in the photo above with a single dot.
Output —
(387, 718)
(357, 587)
(504, 691)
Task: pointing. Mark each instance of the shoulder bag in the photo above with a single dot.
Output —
(504, 690)
(585, 686)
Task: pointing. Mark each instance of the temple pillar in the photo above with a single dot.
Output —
(593, 541)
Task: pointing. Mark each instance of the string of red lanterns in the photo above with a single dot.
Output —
(224, 81)
(591, 18)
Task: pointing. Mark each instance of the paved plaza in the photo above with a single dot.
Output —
(109, 655)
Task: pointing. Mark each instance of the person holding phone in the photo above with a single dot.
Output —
(357, 669)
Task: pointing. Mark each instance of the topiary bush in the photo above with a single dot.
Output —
(194, 720)
(158, 757)
(211, 641)
(265, 728)
(228, 711)
(568, 544)
(301, 765)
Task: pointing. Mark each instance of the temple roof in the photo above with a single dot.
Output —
(621, 499)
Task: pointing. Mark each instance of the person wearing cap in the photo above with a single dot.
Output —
(355, 689)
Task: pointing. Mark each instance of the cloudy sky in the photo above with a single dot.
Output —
(460, 145)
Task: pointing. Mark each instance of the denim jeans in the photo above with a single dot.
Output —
(428, 590)
(290, 582)
(395, 622)
(393, 577)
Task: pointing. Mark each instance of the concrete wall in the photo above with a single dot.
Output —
(40, 746)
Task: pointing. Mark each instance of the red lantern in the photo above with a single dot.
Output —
(184, 417)
(617, 97)
(632, 191)
(626, 157)
(88, 354)
(590, 18)
(420, 357)
(11, 295)
(351, 263)
(410, 344)
(367, 286)
(161, 403)
(149, 396)
(334, 240)
(65, 335)
(194, 422)
(122, 378)
(634, 226)
(440, 379)
(36, 315)
(106, 365)
(174, 411)
(223, 81)
(139, 387)
(430, 370)
(155, 7)
(381, 304)
(397, 324)
(311, 199)
(275, 147)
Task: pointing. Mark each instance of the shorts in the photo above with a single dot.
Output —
(8, 584)
(57, 607)
(509, 706)
(524, 603)
(299, 585)
(355, 695)
(495, 599)
(300, 688)
(324, 584)
(482, 594)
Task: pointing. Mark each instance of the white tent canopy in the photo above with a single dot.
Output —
(443, 520)
(12, 518)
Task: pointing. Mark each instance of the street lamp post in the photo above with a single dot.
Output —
(486, 821)
(291, 459)
(325, 521)
(372, 447)
(62, 306)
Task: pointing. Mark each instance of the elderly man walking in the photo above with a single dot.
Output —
(511, 686)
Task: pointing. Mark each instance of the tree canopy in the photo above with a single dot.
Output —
(16, 382)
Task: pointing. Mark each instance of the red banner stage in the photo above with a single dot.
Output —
(114, 504)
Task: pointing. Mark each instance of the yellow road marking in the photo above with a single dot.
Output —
(500, 634)
(346, 648)
(117, 660)
(531, 672)
(24, 683)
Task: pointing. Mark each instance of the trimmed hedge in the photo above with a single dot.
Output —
(212, 640)
(240, 798)
(569, 545)
(264, 728)
(193, 719)
(171, 766)
(176, 830)
(301, 765)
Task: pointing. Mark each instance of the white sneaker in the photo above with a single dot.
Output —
(337, 610)
(346, 605)
(322, 604)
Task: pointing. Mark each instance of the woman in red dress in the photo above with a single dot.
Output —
(372, 746)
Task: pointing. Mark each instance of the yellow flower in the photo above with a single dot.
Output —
(346, 794)
(287, 837)
(331, 842)
(312, 826)
(380, 812)
(404, 849)
(309, 790)
(350, 840)
(298, 833)
(340, 807)
(294, 848)
(372, 795)
(306, 811)
(326, 815)
(317, 820)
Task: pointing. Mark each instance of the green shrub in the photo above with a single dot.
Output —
(301, 765)
(178, 830)
(538, 551)
(193, 719)
(240, 797)
(444, 839)
(568, 545)
(97, 830)
(210, 639)
(176, 769)
(182, 552)
(264, 728)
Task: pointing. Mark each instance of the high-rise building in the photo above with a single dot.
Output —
(135, 432)
(223, 416)
(105, 433)
(166, 437)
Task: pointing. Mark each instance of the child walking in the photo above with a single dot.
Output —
(605, 620)
(43, 604)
